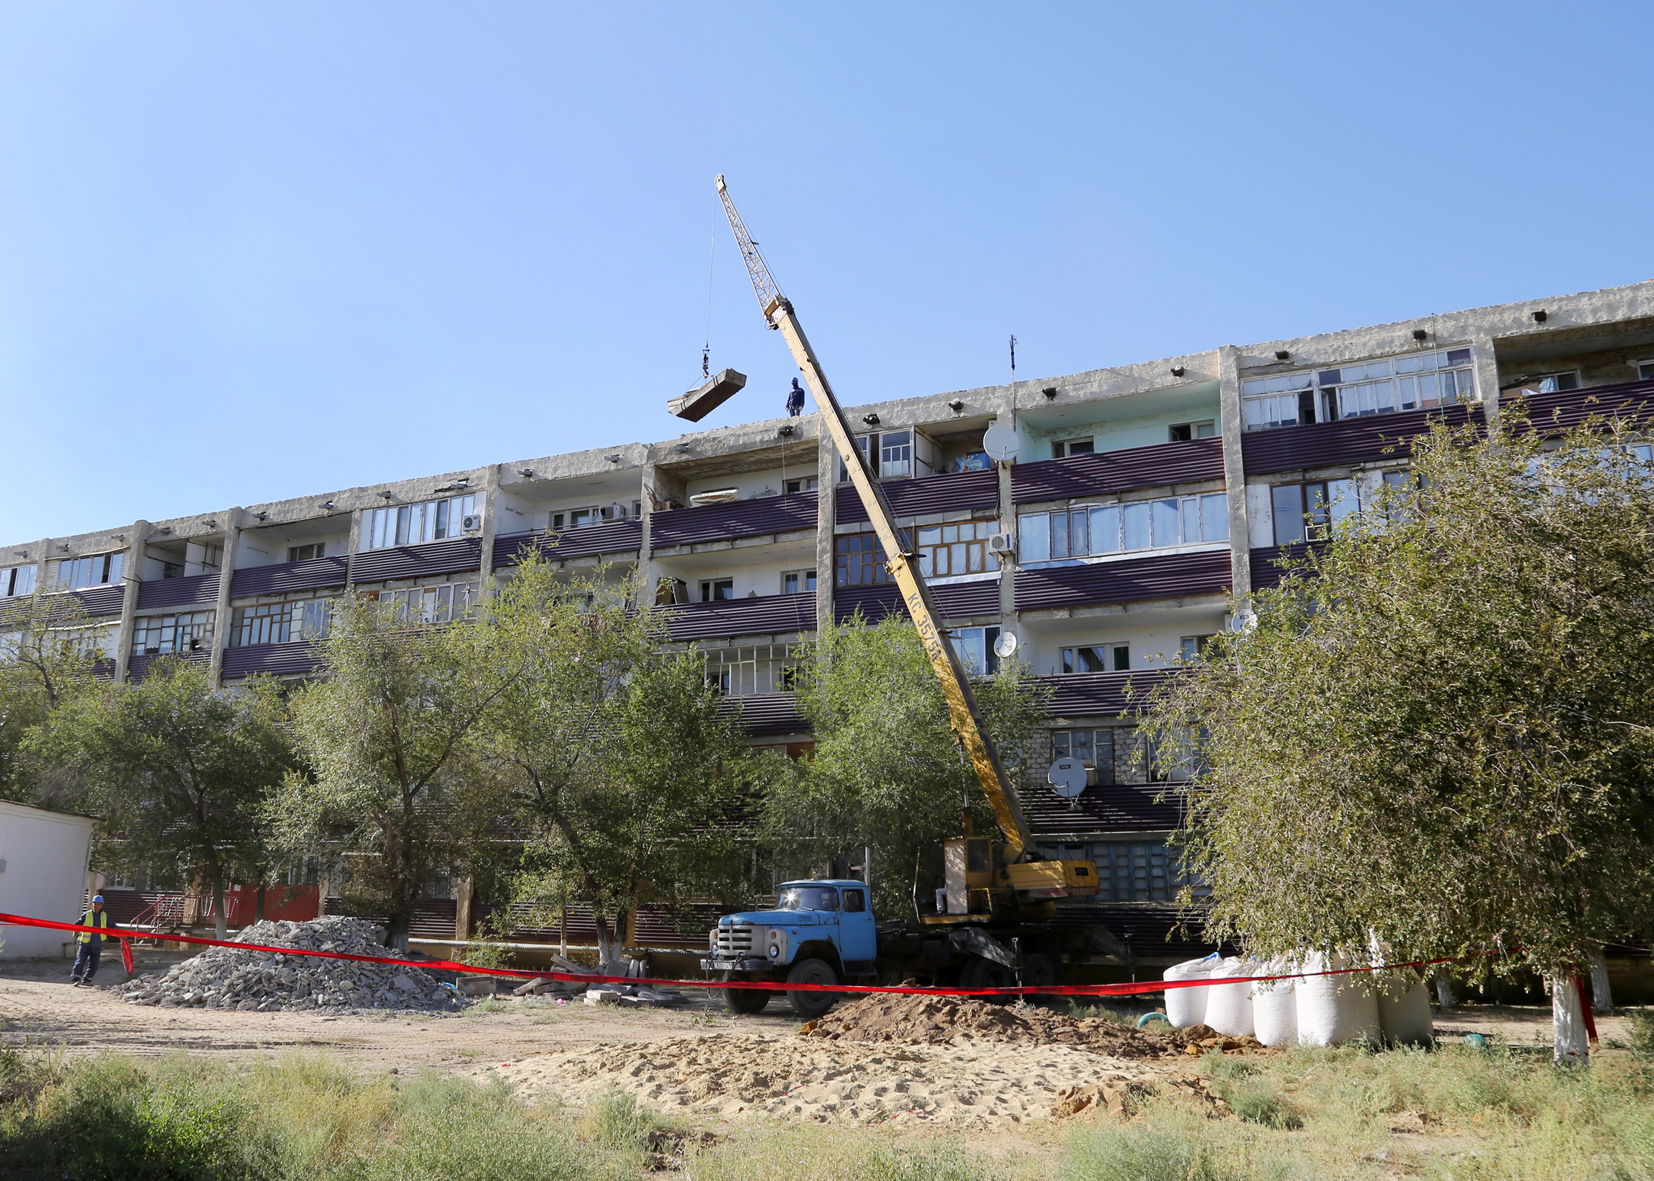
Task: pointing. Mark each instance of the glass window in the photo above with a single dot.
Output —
(1645, 370)
(1136, 525)
(946, 550)
(95, 570)
(1412, 382)
(975, 646)
(16, 581)
(756, 668)
(1193, 646)
(306, 553)
(1063, 448)
(859, 560)
(1104, 529)
(431, 520)
(1093, 747)
(1214, 517)
(280, 623)
(429, 604)
(1085, 659)
(716, 589)
(808, 898)
(1033, 537)
(158, 635)
(798, 581)
(895, 454)
(855, 902)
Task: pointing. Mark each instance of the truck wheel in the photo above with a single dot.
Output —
(747, 1000)
(1038, 971)
(811, 1004)
(981, 972)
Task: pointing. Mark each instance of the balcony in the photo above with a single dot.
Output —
(1120, 807)
(1265, 571)
(102, 600)
(924, 496)
(281, 577)
(761, 517)
(955, 600)
(1158, 466)
(1349, 440)
(1568, 408)
(723, 618)
(1166, 576)
(618, 538)
(766, 713)
(294, 658)
(1101, 695)
(178, 592)
(454, 556)
(137, 666)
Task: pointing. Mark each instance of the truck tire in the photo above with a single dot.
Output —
(1038, 970)
(811, 1004)
(981, 972)
(747, 1000)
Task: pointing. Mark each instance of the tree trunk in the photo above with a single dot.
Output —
(1602, 997)
(221, 920)
(605, 944)
(396, 929)
(1444, 991)
(1571, 1045)
(258, 905)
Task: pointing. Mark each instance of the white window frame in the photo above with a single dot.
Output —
(417, 523)
(441, 602)
(1162, 522)
(17, 581)
(176, 632)
(1381, 385)
(804, 580)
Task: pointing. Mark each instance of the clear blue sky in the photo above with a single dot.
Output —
(250, 251)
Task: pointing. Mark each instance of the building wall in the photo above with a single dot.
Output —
(45, 855)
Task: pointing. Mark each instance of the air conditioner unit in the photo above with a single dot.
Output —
(1003, 544)
(471, 524)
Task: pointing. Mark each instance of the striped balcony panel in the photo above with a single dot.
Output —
(1163, 933)
(291, 659)
(621, 537)
(766, 713)
(1096, 695)
(1265, 570)
(957, 600)
(104, 600)
(925, 496)
(1158, 466)
(742, 518)
(178, 592)
(281, 577)
(1168, 576)
(455, 556)
(1349, 440)
(1102, 808)
(103, 669)
(769, 614)
(1568, 408)
(137, 666)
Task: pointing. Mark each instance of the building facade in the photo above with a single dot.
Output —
(1142, 498)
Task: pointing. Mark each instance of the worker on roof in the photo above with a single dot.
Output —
(795, 400)
(91, 945)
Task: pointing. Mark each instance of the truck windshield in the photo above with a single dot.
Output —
(809, 898)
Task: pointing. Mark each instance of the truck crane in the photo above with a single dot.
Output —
(1022, 887)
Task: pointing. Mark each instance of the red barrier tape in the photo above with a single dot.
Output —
(769, 985)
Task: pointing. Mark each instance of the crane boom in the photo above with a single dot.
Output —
(903, 563)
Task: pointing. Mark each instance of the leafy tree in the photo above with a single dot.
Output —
(179, 769)
(386, 732)
(886, 772)
(47, 654)
(1441, 730)
(617, 759)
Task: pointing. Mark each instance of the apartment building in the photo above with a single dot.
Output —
(1141, 499)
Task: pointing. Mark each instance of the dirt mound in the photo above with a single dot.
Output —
(934, 1020)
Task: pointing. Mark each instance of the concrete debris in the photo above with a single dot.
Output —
(636, 996)
(256, 981)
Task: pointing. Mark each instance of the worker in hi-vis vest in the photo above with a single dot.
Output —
(91, 946)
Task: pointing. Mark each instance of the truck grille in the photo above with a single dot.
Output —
(735, 941)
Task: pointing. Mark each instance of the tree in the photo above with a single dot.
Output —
(617, 758)
(48, 651)
(179, 769)
(886, 772)
(1440, 730)
(386, 733)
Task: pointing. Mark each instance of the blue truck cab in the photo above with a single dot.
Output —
(820, 933)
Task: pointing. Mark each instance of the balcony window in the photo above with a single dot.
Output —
(306, 553)
(16, 581)
(183, 632)
(1097, 658)
(429, 604)
(414, 524)
(1063, 448)
(858, 560)
(894, 455)
(758, 668)
(1309, 511)
(799, 484)
(1092, 530)
(798, 581)
(100, 642)
(1093, 747)
(714, 590)
(975, 646)
(1132, 871)
(1412, 382)
(946, 550)
(1184, 431)
(1645, 370)
(1193, 647)
(280, 623)
(97, 570)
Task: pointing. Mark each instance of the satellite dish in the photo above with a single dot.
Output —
(1005, 645)
(1000, 442)
(1067, 777)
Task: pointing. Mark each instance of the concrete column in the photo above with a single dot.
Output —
(826, 522)
(1007, 524)
(43, 552)
(646, 575)
(1487, 377)
(351, 546)
(221, 610)
(132, 583)
(490, 524)
(1234, 469)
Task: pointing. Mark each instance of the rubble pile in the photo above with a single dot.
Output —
(257, 981)
(935, 1020)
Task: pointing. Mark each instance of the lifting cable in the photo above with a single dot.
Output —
(706, 349)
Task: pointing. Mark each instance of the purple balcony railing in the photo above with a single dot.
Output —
(455, 556)
(771, 614)
(1101, 808)
(281, 577)
(291, 659)
(178, 592)
(1264, 560)
(1155, 934)
(766, 713)
(103, 600)
(1568, 408)
(137, 666)
(959, 600)
(1158, 466)
(1097, 695)
(1168, 576)
(741, 518)
(620, 537)
(926, 495)
(1349, 440)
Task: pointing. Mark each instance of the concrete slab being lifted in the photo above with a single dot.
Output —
(704, 399)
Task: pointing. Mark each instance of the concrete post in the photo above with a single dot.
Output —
(351, 547)
(490, 525)
(221, 609)
(826, 523)
(132, 584)
(1487, 378)
(1234, 470)
(646, 575)
(1007, 524)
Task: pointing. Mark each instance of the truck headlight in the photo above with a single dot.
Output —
(778, 944)
(775, 952)
(713, 939)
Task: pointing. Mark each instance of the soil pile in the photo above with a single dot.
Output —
(258, 981)
(936, 1020)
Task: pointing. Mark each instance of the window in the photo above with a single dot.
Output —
(304, 553)
(1097, 658)
(1184, 431)
(716, 589)
(16, 581)
(894, 455)
(413, 524)
(429, 604)
(1645, 370)
(1063, 448)
(798, 581)
(596, 514)
(858, 560)
(186, 631)
(1131, 871)
(975, 646)
(808, 898)
(855, 902)
(280, 623)
(1308, 511)
(97, 643)
(1087, 530)
(96, 570)
(1551, 383)
(946, 550)
(758, 668)
(800, 484)
(1193, 647)
(1412, 382)
(1093, 747)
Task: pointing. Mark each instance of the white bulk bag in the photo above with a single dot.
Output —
(1333, 1010)
(1229, 1006)
(1404, 1011)
(1187, 1006)
(1275, 1006)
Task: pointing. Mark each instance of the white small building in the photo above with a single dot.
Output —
(44, 857)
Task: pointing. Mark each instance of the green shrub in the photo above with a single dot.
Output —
(1155, 1152)
(1642, 1035)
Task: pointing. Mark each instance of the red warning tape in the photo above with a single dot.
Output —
(768, 985)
